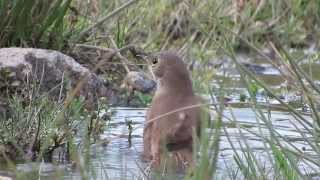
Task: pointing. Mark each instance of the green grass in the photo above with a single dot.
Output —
(34, 23)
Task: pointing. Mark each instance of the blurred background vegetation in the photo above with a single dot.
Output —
(200, 30)
(152, 25)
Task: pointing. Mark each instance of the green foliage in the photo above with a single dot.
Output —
(120, 34)
(145, 99)
(283, 164)
(243, 97)
(33, 126)
(253, 88)
(34, 23)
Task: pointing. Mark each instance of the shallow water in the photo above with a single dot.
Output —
(121, 158)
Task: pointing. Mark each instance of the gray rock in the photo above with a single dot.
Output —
(139, 81)
(54, 73)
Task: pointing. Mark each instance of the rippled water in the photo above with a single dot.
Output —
(121, 158)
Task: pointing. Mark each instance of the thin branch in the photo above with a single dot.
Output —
(124, 61)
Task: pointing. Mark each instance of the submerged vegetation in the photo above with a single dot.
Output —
(284, 34)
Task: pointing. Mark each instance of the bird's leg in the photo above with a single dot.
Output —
(147, 142)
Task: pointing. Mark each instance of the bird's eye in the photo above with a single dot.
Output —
(154, 60)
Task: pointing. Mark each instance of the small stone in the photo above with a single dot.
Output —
(139, 81)
(15, 83)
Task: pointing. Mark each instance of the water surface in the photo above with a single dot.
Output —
(121, 157)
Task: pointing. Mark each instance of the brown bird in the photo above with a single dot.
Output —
(173, 120)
